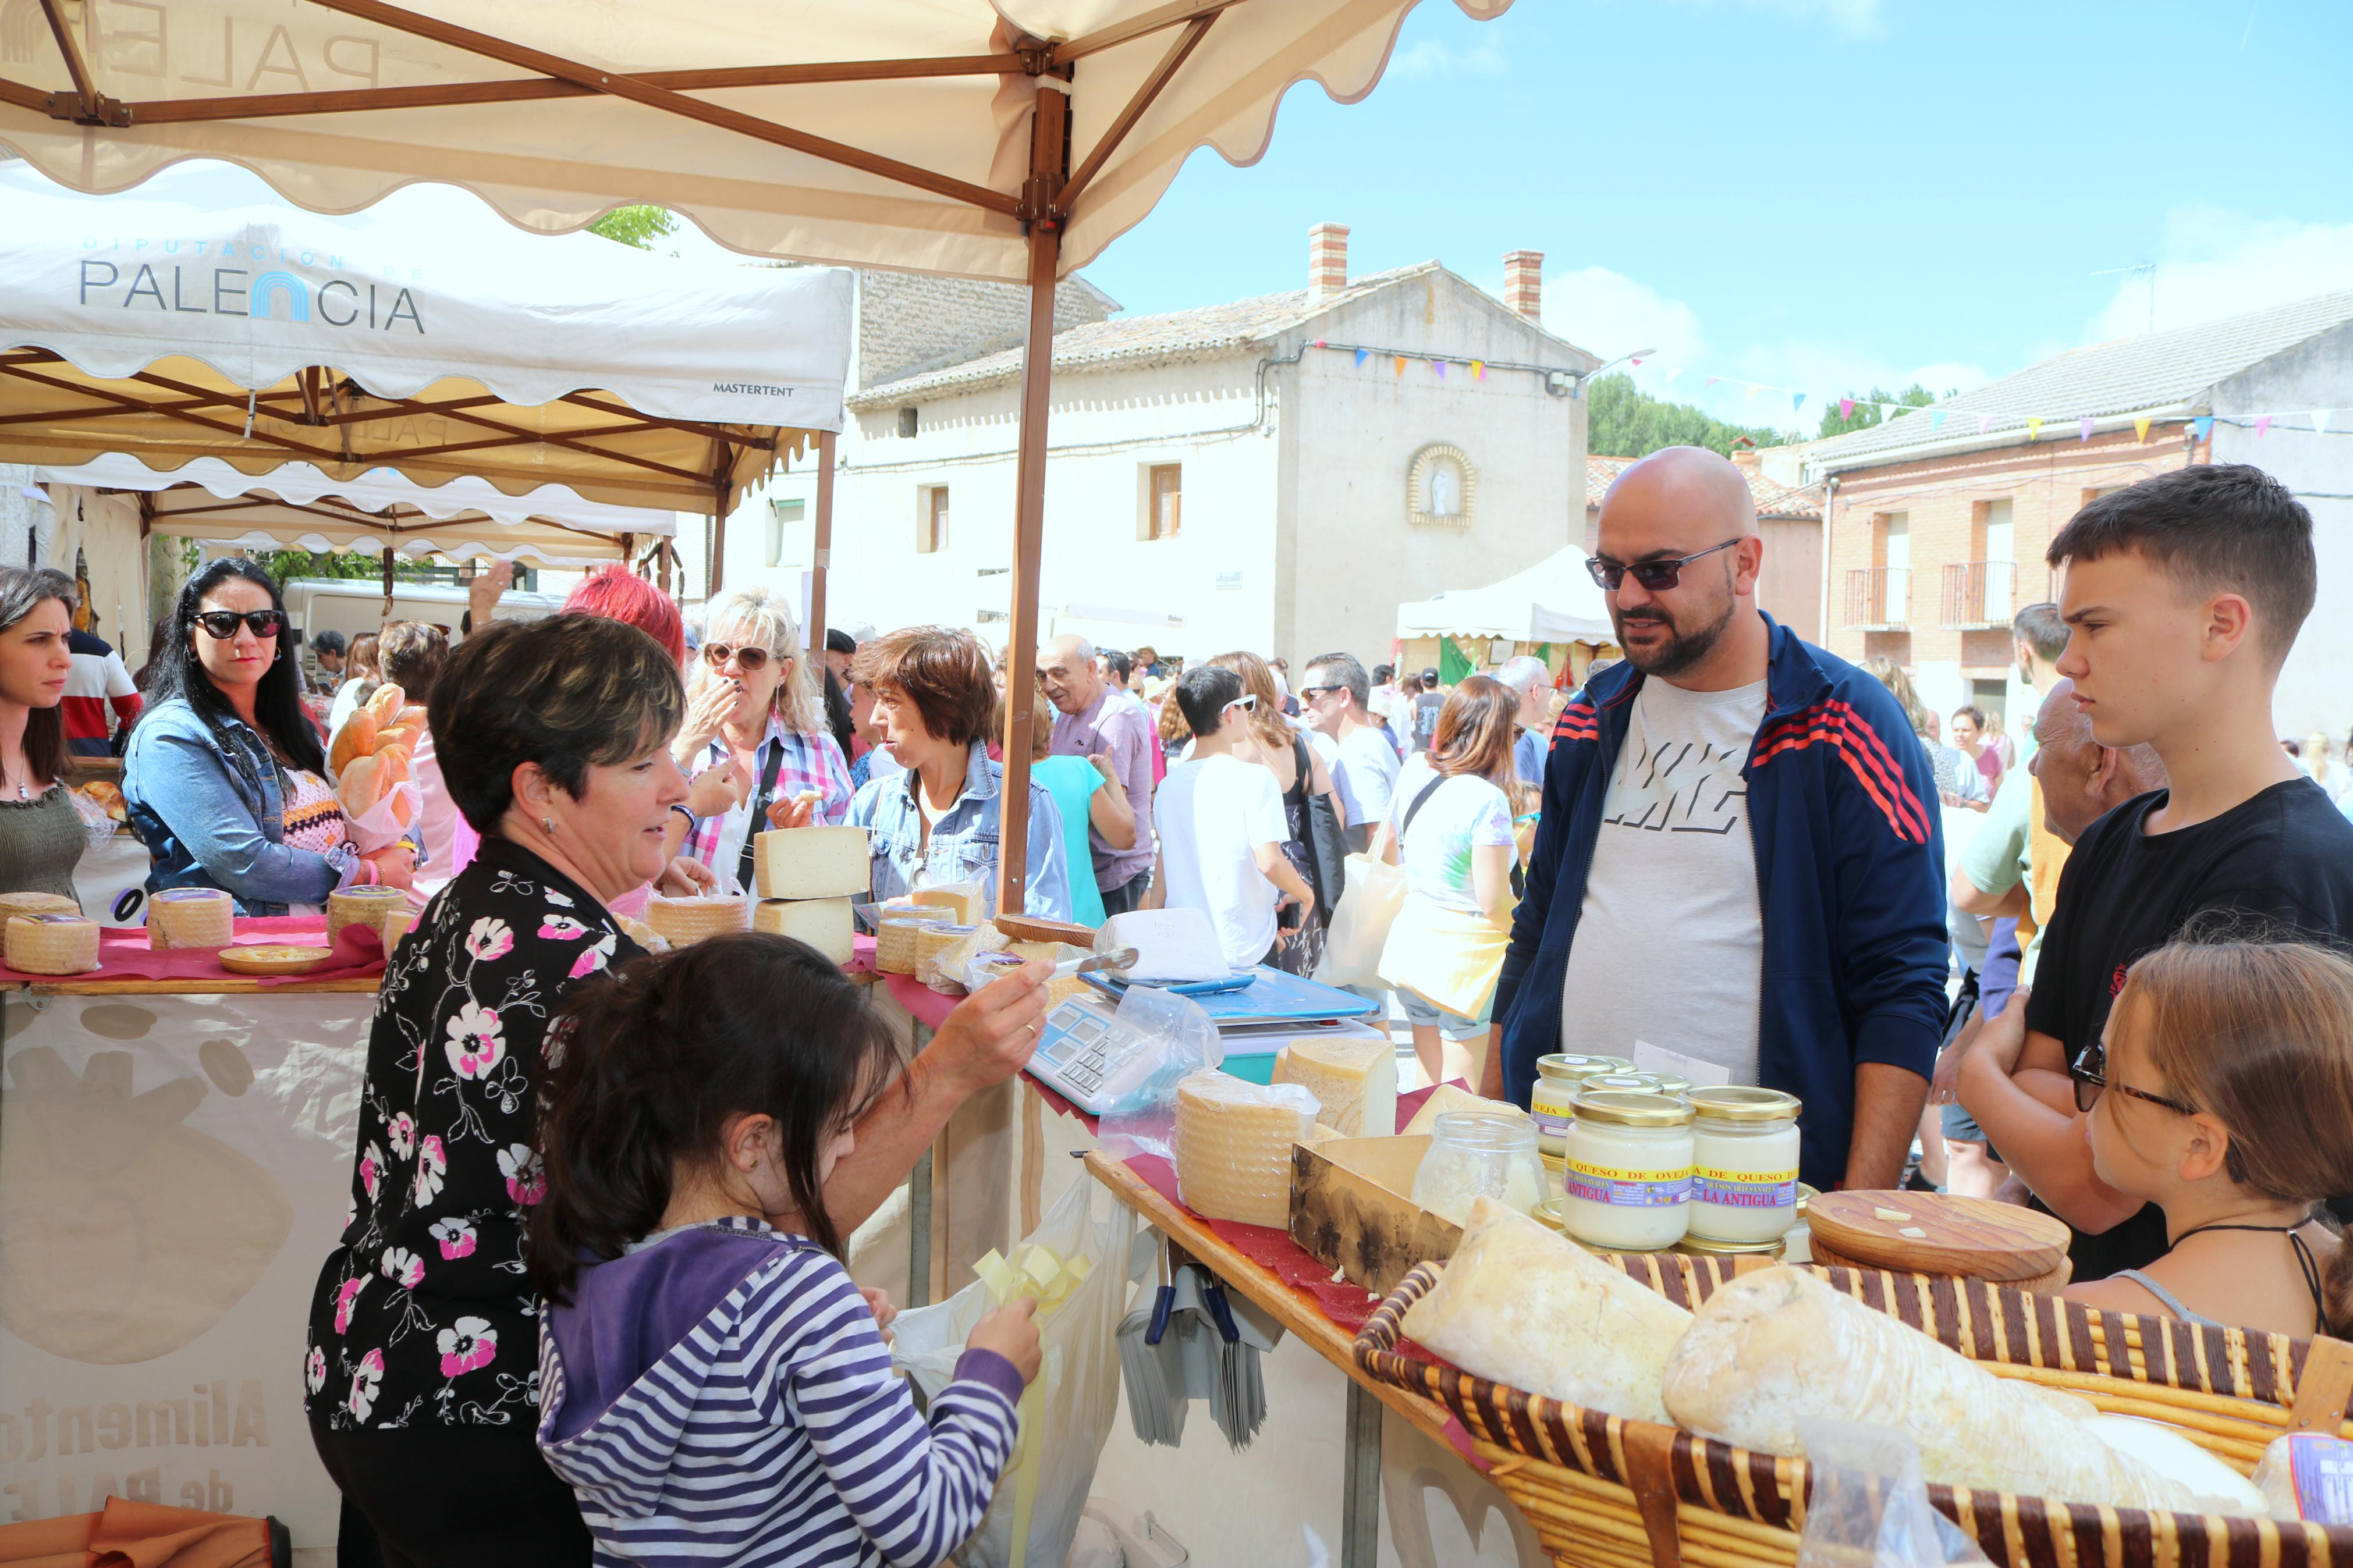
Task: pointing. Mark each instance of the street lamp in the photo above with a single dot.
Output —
(1577, 383)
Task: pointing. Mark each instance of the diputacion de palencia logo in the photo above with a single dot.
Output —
(204, 278)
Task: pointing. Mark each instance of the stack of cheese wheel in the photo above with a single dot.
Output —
(679, 921)
(366, 907)
(15, 904)
(51, 945)
(898, 943)
(805, 877)
(370, 753)
(190, 917)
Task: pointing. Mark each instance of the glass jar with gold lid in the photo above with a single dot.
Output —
(1628, 1170)
(1559, 1076)
(1745, 1154)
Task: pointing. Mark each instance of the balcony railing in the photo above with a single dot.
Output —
(1978, 594)
(1878, 598)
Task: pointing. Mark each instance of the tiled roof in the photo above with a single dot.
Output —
(1210, 331)
(1772, 499)
(2162, 371)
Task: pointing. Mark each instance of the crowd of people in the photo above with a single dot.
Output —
(2099, 969)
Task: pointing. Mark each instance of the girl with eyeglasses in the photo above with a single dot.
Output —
(224, 776)
(2222, 1092)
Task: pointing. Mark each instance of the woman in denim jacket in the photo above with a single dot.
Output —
(224, 777)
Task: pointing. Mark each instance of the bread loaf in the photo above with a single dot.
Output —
(51, 945)
(1775, 1347)
(1520, 1305)
(190, 917)
(826, 924)
(812, 863)
(679, 921)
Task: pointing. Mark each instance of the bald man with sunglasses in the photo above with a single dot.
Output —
(1739, 858)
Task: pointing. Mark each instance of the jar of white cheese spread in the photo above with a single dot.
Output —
(1625, 1078)
(1475, 1153)
(1745, 1151)
(1557, 1078)
(1628, 1171)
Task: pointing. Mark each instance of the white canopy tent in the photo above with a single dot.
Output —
(1004, 138)
(1555, 600)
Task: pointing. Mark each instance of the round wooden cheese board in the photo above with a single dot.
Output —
(1974, 1237)
(273, 960)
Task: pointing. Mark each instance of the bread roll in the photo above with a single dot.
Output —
(1519, 1304)
(361, 785)
(1778, 1346)
(356, 739)
(388, 701)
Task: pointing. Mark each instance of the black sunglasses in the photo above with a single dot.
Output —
(1310, 693)
(2090, 1071)
(223, 623)
(1654, 575)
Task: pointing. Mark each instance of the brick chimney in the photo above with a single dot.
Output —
(1523, 284)
(1327, 259)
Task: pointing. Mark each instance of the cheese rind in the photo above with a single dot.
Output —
(1353, 1081)
(812, 863)
(1233, 1146)
(679, 921)
(50, 945)
(966, 902)
(190, 917)
(826, 924)
(1448, 1097)
(14, 904)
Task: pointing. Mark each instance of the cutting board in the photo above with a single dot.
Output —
(1974, 1237)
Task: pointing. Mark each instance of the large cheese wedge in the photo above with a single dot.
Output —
(1448, 1097)
(1233, 1146)
(1520, 1304)
(826, 924)
(812, 863)
(682, 921)
(51, 945)
(1775, 1347)
(966, 902)
(1353, 1081)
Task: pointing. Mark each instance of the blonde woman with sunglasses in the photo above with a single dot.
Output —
(753, 709)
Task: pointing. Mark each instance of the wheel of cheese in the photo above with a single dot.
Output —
(273, 959)
(51, 945)
(14, 904)
(398, 923)
(897, 944)
(682, 921)
(362, 907)
(190, 917)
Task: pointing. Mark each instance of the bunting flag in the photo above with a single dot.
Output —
(1796, 402)
(1985, 423)
(2140, 428)
(1667, 374)
(1362, 355)
(1711, 381)
(2033, 428)
(2262, 424)
(2319, 424)
(1846, 407)
(1319, 342)
(1400, 363)
(1438, 367)
(2084, 428)
(1888, 410)
(1478, 372)
(1754, 388)
(1635, 363)
(1936, 420)
(2203, 427)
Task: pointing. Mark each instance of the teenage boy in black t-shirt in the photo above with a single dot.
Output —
(2182, 596)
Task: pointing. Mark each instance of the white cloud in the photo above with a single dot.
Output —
(1436, 57)
(2213, 262)
(1608, 313)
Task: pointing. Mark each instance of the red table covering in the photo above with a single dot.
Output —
(123, 954)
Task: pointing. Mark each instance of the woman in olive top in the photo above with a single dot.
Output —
(41, 833)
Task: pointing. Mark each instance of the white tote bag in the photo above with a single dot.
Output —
(1370, 897)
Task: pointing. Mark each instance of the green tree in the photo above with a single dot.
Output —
(288, 564)
(1624, 422)
(640, 227)
(1867, 412)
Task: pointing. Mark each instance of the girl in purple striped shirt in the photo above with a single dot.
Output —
(712, 1385)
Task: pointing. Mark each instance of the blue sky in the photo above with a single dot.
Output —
(1814, 193)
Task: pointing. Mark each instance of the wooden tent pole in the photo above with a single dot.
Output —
(1046, 164)
(387, 582)
(821, 556)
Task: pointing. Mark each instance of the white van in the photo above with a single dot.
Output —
(353, 605)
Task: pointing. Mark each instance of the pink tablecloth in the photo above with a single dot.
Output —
(123, 954)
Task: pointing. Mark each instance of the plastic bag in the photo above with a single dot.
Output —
(1869, 1508)
(1182, 1040)
(1370, 897)
(1067, 1412)
(389, 819)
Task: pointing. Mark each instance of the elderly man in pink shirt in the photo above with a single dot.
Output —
(1093, 719)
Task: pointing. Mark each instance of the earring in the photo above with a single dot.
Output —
(549, 824)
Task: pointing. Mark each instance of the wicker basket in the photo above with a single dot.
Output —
(1616, 1493)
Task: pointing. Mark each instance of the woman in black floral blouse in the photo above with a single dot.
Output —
(422, 1367)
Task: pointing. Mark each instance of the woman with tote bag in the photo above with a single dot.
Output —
(1450, 829)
